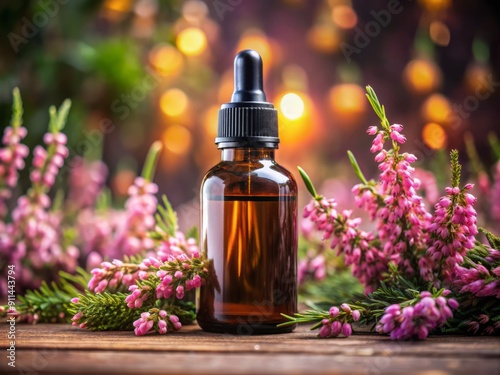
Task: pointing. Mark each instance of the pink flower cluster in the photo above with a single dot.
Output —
(114, 233)
(158, 320)
(47, 162)
(86, 181)
(35, 237)
(132, 236)
(139, 295)
(313, 266)
(178, 245)
(495, 195)
(483, 323)
(113, 275)
(176, 274)
(477, 279)
(11, 161)
(452, 233)
(338, 322)
(402, 217)
(368, 262)
(95, 231)
(419, 320)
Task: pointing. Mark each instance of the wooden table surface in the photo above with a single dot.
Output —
(62, 349)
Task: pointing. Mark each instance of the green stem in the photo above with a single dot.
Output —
(149, 168)
(17, 109)
(308, 183)
(356, 167)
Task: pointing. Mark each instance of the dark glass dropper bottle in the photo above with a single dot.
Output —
(249, 216)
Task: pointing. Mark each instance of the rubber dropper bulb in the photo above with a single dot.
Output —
(248, 85)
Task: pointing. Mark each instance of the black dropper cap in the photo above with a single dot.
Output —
(248, 120)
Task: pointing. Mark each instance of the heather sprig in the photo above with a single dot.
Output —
(13, 153)
(399, 300)
(115, 276)
(400, 310)
(35, 237)
(368, 262)
(102, 312)
(452, 231)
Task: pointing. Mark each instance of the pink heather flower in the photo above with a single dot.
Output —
(378, 142)
(495, 195)
(416, 321)
(86, 181)
(368, 262)
(113, 275)
(144, 324)
(428, 185)
(132, 234)
(179, 292)
(313, 267)
(401, 215)
(336, 328)
(33, 240)
(398, 137)
(356, 315)
(477, 279)
(345, 307)
(136, 299)
(176, 246)
(346, 329)
(175, 322)
(326, 329)
(334, 311)
(11, 161)
(452, 232)
(162, 327)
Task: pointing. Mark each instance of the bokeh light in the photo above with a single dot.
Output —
(477, 78)
(437, 108)
(210, 119)
(422, 76)
(435, 5)
(347, 102)
(439, 33)
(146, 8)
(121, 181)
(292, 106)
(192, 41)
(434, 136)
(177, 139)
(324, 37)
(257, 40)
(194, 11)
(344, 16)
(118, 5)
(174, 102)
(166, 60)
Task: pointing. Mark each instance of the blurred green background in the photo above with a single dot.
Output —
(142, 70)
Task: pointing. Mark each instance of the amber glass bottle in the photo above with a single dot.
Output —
(249, 210)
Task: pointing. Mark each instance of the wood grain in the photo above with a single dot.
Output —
(58, 349)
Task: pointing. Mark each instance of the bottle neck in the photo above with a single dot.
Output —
(247, 154)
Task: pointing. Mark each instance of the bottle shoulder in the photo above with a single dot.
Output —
(262, 177)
